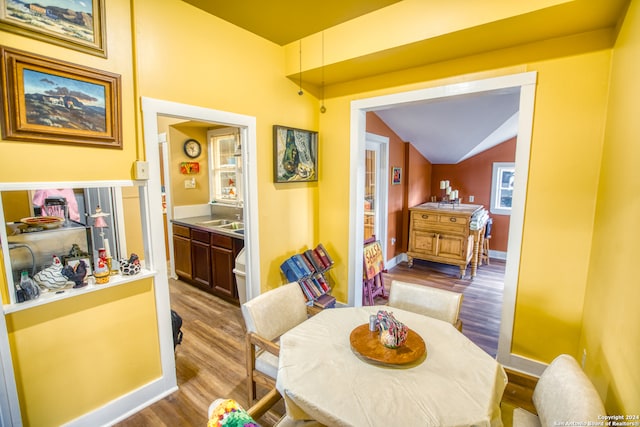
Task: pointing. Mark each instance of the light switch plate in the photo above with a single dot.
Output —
(141, 170)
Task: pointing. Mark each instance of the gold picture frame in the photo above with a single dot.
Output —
(51, 101)
(74, 25)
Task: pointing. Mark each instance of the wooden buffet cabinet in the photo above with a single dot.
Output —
(206, 259)
(442, 233)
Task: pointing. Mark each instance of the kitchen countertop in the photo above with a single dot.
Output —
(196, 222)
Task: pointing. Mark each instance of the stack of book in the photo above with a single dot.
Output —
(308, 270)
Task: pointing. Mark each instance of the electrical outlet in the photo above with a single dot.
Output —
(393, 240)
(141, 170)
(471, 199)
(190, 183)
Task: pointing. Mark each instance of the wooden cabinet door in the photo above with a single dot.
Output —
(182, 256)
(452, 246)
(201, 271)
(425, 242)
(222, 263)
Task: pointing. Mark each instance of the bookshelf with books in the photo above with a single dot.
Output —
(308, 269)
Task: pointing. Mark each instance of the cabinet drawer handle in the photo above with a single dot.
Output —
(425, 216)
(452, 219)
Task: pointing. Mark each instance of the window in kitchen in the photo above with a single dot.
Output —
(502, 187)
(225, 160)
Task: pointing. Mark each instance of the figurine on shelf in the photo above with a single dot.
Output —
(130, 266)
(29, 288)
(51, 278)
(76, 273)
(101, 272)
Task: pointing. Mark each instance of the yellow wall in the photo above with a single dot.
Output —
(611, 333)
(232, 70)
(73, 356)
(181, 196)
(187, 56)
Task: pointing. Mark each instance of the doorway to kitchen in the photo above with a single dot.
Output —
(155, 110)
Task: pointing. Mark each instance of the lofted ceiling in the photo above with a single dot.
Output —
(448, 130)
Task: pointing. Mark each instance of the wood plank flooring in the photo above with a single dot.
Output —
(210, 363)
(482, 304)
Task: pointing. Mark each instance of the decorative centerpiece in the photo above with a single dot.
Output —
(393, 334)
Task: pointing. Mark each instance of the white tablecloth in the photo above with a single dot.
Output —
(321, 378)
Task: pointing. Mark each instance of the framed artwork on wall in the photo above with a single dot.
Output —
(51, 101)
(396, 175)
(295, 155)
(76, 25)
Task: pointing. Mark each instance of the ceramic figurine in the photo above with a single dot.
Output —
(51, 278)
(76, 274)
(101, 272)
(130, 266)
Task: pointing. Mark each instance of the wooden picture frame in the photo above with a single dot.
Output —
(51, 101)
(74, 25)
(396, 175)
(295, 155)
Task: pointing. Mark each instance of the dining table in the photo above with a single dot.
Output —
(324, 375)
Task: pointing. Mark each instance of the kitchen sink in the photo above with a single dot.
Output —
(216, 222)
(235, 225)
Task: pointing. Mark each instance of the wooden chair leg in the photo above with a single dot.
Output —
(251, 360)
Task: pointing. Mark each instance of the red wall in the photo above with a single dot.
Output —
(472, 177)
(397, 193)
(420, 180)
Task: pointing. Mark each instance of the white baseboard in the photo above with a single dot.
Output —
(524, 365)
(125, 406)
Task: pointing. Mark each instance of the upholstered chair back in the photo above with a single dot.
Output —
(276, 311)
(565, 393)
(433, 302)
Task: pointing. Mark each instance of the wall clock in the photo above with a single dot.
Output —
(192, 148)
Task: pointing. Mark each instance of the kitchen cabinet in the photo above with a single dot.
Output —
(182, 251)
(446, 233)
(206, 259)
(200, 268)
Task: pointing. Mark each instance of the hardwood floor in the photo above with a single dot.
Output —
(210, 362)
(482, 303)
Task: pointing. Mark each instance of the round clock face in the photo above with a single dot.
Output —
(192, 148)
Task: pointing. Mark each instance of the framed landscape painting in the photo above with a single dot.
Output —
(74, 24)
(50, 101)
(295, 154)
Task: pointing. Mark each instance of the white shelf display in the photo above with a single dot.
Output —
(58, 248)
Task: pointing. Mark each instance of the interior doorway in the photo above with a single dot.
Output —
(154, 109)
(376, 189)
(526, 82)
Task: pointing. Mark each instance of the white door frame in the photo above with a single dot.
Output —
(527, 84)
(152, 108)
(380, 144)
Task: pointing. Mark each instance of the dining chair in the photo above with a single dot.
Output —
(563, 394)
(433, 302)
(266, 317)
